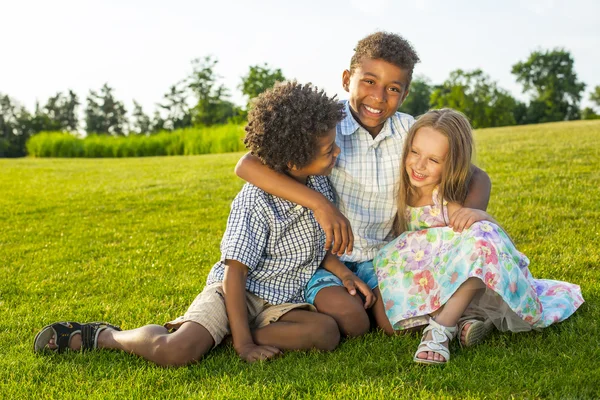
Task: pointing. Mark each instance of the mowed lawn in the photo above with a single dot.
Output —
(130, 241)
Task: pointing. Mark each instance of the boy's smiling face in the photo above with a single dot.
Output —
(377, 88)
(323, 161)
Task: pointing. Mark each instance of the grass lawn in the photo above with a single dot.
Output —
(130, 241)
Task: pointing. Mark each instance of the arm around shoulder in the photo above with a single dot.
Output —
(480, 188)
(335, 225)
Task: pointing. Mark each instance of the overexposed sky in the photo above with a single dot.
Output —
(142, 47)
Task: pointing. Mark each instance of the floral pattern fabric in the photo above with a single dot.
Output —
(421, 269)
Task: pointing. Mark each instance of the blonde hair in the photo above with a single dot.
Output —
(457, 167)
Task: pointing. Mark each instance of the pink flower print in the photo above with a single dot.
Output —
(419, 256)
(491, 279)
(454, 277)
(389, 304)
(424, 281)
(434, 303)
(486, 250)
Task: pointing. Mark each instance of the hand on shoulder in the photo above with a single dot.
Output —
(463, 217)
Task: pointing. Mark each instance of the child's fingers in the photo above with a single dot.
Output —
(328, 238)
(350, 286)
(337, 239)
(350, 240)
(366, 292)
(344, 244)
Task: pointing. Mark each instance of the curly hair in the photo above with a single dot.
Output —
(285, 122)
(386, 46)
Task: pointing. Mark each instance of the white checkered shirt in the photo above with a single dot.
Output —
(280, 242)
(365, 179)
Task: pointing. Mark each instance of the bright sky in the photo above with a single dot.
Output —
(142, 47)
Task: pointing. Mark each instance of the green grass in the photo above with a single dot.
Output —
(189, 141)
(130, 241)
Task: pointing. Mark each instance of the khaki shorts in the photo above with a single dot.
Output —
(208, 310)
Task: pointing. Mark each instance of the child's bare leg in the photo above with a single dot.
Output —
(300, 330)
(153, 342)
(347, 310)
(381, 319)
(453, 310)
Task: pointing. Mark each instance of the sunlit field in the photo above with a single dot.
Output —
(131, 240)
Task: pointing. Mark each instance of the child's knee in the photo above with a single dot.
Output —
(326, 334)
(348, 311)
(179, 350)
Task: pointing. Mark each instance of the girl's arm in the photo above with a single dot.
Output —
(351, 282)
(478, 197)
(336, 226)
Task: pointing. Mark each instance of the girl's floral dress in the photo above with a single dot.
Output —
(421, 269)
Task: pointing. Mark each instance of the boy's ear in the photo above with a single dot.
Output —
(346, 80)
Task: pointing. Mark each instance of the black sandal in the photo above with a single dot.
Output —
(64, 331)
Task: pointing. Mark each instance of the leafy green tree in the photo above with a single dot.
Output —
(477, 97)
(141, 123)
(259, 79)
(104, 114)
(550, 78)
(15, 127)
(589, 113)
(158, 123)
(59, 114)
(595, 96)
(212, 105)
(417, 102)
(175, 104)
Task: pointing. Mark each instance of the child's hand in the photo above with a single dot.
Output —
(252, 352)
(464, 217)
(337, 229)
(352, 282)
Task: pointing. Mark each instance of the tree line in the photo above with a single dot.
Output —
(548, 77)
(197, 100)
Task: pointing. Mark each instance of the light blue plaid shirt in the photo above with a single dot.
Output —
(365, 179)
(280, 242)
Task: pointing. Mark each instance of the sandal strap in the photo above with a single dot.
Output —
(64, 331)
(90, 333)
(440, 332)
(436, 347)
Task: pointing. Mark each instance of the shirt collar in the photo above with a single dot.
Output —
(349, 125)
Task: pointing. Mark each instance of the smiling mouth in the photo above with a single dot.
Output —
(418, 176)
(372, 110)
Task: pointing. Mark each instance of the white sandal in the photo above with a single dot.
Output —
(439, 334)
(477, 331)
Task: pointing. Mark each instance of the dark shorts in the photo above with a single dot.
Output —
(323, 278)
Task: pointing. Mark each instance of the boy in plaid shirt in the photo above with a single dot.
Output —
(270, 250)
